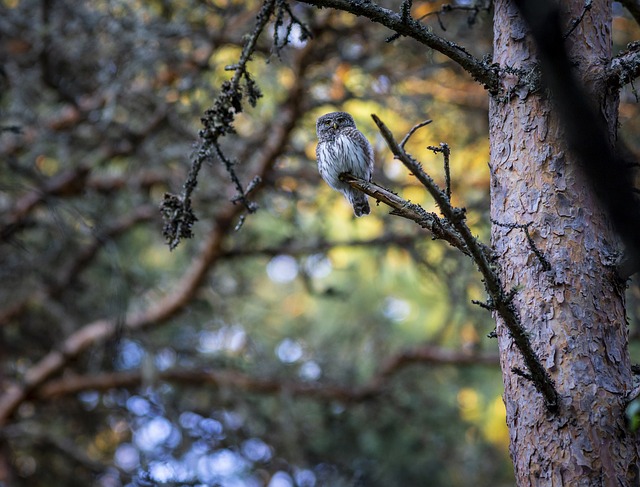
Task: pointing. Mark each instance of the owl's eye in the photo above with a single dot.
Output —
(340, 119)
(327, 122)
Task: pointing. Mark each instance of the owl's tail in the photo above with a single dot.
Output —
(359, 202)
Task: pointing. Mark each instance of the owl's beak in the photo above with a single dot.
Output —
(335, 126)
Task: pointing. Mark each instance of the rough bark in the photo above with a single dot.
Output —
(574, 313)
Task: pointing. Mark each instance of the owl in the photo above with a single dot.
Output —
(343, 148)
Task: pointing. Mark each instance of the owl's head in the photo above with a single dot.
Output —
(331, 123)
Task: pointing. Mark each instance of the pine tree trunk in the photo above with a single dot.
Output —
(574, 313)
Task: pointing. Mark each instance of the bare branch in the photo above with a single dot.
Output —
(633, 394)
(488, 305)
(405, 8)
(322, 246)
(409, 27)
(481, 255)
(412, 131)
(406, 209)
(625, 67)
(424, 355)
(446, 153)
(576, 22)
(546, 266)
(177, 211)
(473, 10)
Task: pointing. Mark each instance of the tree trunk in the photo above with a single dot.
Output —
(574, 313)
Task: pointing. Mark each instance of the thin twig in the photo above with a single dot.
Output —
(479, 70)
(446, 8)
(488, 306)
(446, 152)
(522, 373)
(546, 266)
(576, 22)
(413, 130)
(405, 8)
(447, 173)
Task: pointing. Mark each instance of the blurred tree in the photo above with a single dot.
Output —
(286, 343)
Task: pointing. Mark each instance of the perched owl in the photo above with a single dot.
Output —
(343, 148)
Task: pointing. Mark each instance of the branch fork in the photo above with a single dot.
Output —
(452, 227)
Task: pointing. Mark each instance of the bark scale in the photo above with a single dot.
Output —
(574, 313)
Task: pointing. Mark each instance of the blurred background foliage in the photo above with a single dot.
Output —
(314, 352)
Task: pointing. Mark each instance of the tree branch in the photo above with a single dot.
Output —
(218, 121)
(588, 5)
(407, 26)
(625, 67)
(321, 246)
(473, 10)
(413, 131)
(501, 301)
(546, 266)
(425, 355)
(446, 153)
(411, 211)
(453, 216)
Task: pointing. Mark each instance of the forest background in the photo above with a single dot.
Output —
(292, 345)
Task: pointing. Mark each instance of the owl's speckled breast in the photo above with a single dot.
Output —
(341, 154)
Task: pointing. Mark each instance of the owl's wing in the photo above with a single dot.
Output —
(366, 148)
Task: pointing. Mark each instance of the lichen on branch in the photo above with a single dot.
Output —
(217, 122)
